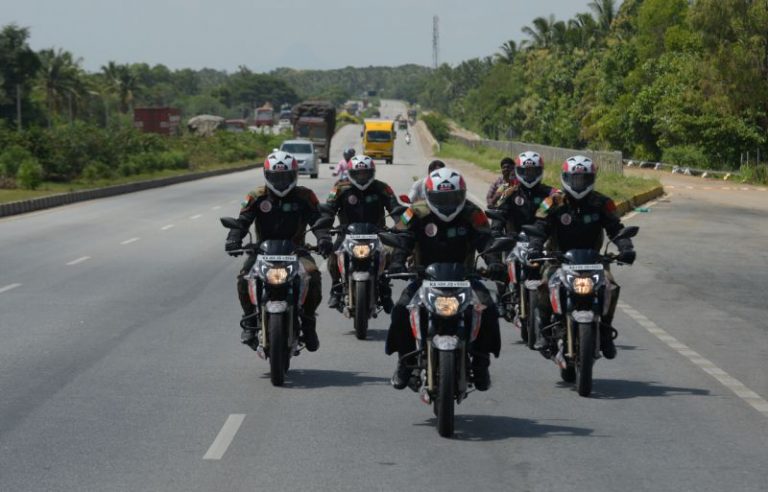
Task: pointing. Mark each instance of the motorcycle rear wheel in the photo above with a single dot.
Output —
(361, 310)
(446, 386)
(586, 359)
(533, 318)
(278, 350)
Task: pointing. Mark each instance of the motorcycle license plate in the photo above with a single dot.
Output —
(276, 258)
(447, 285)
(362, 237)
(578, 268)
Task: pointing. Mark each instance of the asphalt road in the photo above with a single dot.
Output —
(121, 368)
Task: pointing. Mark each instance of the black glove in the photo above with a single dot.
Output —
(396, 268)
(627, 256)
(325, 246)
(231, 247)
(496, 271)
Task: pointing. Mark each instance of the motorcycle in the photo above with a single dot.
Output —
(445, 317)
(579, 296)
(278, 286)
(408, 138)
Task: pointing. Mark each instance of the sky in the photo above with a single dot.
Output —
(266, 34)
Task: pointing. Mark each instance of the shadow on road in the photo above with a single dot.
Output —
(497, 428)
(621, 389)
(317, 378)
(373, 335)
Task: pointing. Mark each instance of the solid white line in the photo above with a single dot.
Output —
(79, 260)
(737, 387)
(194, 217)
(225, 437)
(217, 207)
(166, 227)
(129, 241)
(9, 287)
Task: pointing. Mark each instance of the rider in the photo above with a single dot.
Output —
(576, 219)
(507, 178)
(445, 227)
(341, 168)
(417, 189)
(519, 202)
(280, 210)
(359, 198)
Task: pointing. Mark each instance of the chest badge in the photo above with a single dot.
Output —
(519, 201)
(265, 206)
(566, 219)
(352, 200)
(430, 230)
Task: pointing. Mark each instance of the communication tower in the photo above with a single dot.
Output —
(435, 40)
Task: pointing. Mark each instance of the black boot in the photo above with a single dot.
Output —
(250, 334)
(404, 375)
(385, 294)
(481, 377)
(607, 333)
(334, 301)
(309, 332)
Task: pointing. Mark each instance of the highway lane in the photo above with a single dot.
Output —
(120, 371)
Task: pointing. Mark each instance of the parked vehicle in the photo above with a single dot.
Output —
(304, 152)
(315, 121)
(379, 139)
(577, 294)
(264, 116)
(165, 120)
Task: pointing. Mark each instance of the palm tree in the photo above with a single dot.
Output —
(121, 80)
(582, 31)
(508, 52)
(61, 80)
(605, 10)
(546, 33)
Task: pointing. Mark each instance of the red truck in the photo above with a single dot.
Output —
(165, 121)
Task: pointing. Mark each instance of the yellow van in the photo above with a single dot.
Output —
(379, 139)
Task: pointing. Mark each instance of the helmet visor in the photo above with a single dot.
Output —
(280, 180)
(579, 182)
(361, 176)
(447, 202)
(528, 175)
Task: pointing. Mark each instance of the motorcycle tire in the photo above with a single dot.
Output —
(532, 319)
(586, 359)
(361, 310)
(278, 350)
(446, 386)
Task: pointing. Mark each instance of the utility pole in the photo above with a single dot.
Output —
(18, 107)
(435, 41)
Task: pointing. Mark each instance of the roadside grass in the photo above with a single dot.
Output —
(615, 186)
(50, 188)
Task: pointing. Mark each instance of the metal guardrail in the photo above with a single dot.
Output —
(607, 161)
(675, 169)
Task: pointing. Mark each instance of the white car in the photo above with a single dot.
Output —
(304, 152)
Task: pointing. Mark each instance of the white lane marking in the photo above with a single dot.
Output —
(9, 287)
(737, 387)
(129, 241)
(225, 437)
(195, 217)
(166, 227)
(217, 207)
(233, 201)
(647, 205)
(79, 260)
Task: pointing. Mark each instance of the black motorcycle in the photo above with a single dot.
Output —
(445, 317)
(577, 294)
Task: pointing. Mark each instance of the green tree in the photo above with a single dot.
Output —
(61, 81)
(18, 66)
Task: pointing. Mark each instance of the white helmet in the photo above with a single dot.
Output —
(281, 172)
(578, 176)
(445, 193)
(529, 169)
(361, 171)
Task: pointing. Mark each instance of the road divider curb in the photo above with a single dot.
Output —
(625, 206)
(26, 206)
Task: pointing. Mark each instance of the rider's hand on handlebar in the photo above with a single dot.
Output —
(627, 256)
(325, 246)
(233, 248)
(496, 271)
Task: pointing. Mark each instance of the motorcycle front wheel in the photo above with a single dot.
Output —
(533, 317)
(586, 359)
(278, 351)
(446, 386)
(361, 310)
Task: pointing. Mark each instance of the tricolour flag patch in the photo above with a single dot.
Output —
(407, 216)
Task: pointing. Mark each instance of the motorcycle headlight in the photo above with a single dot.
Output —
(583, 285)
(276, 276)
(446, 306)
(361, 251)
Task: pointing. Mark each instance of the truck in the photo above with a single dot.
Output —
(379, 139)
(315, 121)
(264, 116)
(163, 120)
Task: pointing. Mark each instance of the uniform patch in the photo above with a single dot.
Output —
(462, 231)
(566, 219)
(610, 206)
(265, 206)
(537, 201)
(352, 199)
(587, 219)
(407, 216)
(430, 230)
(519, 201)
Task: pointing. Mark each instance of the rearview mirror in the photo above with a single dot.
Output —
(626, 233)
(393, 240)
(500, 244)
(398, 211)
(532, 230)
(323, 222)
(325, 209)
(230, 223)
(496, 215)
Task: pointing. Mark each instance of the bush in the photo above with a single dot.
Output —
(687, 156)
(437, 125)
(30, 174)
(11, 159)
(755, 174)
(96, 170)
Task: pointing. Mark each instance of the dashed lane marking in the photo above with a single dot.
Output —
(195, 217)
(225, 437)
(9, 287)
(79, 260)
(737, 387)
(217, 207)
(166, 227)
(131, 240)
